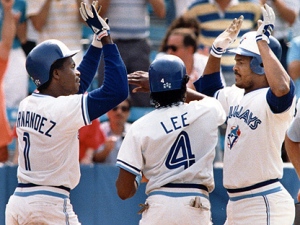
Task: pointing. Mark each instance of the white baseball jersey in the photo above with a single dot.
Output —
(254, 136)
(294, 132)
(174, 144)
(47, 130)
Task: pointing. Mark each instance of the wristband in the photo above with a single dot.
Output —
(138, 180)
(216, 52)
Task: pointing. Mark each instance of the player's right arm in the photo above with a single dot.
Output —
(211, 81)
(126, 184)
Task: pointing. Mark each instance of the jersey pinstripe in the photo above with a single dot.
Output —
(47, 130)
(174, 145)
(248, 118)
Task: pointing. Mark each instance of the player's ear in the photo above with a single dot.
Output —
(55, 74)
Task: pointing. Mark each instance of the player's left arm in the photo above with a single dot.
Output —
(126, 184)
(282, 89)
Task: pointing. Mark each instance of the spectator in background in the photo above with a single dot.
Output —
(182, 42)
(8, 32)
(130, 23)
(90, 138)
(180, 22)
(181, 6)
(286, 12)
(59, 20)
(293, 63)
(16, 77)
(114, 130)
(214, 17)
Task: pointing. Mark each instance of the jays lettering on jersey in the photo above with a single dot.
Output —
(174, 144)
(43, 117)
(249, 122)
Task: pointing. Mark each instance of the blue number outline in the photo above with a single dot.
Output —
(26, 139)
(182, 144)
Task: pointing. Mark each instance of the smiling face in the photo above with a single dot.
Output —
(69, 77)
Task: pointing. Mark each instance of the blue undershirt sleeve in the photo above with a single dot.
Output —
(209, 84)
(88, 67)
(280, 104)
(115, 86)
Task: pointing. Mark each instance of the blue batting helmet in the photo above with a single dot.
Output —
(248, 47)
(166, 73)
(41, 58)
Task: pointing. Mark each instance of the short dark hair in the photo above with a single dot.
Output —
(169, 98)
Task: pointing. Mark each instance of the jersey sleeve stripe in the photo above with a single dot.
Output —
(84, 109)
(128, 167)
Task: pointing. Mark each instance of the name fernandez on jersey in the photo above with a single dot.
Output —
(244, 114)
(35, 121)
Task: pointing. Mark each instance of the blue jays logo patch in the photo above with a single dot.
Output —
(233, 136)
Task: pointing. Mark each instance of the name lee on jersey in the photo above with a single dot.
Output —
(36, 122)
(176, 123)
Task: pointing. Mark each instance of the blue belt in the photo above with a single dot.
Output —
(181, 194)
(36, 185)
(186, 185)
(249, 188)
(263, 193)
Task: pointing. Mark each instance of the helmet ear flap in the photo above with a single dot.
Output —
(256, 66)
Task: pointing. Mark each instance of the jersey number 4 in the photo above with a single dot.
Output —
(180, 153)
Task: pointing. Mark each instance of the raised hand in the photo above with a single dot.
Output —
(91, 16)
(227, 37)
(265, 27)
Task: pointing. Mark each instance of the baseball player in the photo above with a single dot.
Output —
(48, 122)
(292, 141)
(174, 148)
(259, 108)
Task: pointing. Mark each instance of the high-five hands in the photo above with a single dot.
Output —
(91, 16)
(139, 79)
(265, 27)
(223, 41)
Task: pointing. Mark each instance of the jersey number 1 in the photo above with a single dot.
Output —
(26, 139)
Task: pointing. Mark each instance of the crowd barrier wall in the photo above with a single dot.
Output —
(95, 199)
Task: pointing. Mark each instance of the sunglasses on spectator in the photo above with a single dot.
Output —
(174, 48)
(123, 108)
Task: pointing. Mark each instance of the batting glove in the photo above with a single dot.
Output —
(223, 41)
(265, 27)
(98, 25)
